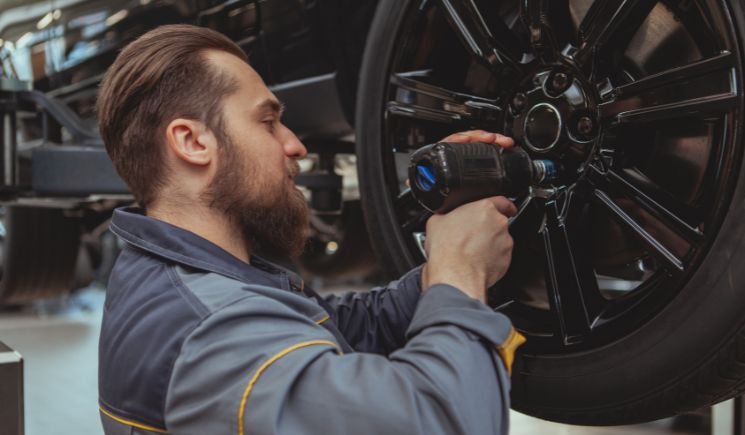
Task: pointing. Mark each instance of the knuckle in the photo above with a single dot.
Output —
(502, 220)
(509, 243)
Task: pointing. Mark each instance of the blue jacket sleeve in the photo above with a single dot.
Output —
(376, 321)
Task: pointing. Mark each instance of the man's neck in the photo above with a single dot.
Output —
(206, 223)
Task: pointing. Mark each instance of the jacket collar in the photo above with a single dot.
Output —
(184, 247)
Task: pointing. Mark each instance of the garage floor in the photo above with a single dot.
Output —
(59, 344)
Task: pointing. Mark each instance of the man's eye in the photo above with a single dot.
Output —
(270, 124)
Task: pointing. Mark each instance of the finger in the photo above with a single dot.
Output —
(480, 136)
(504, 141)
(458, 138)
(503, 205)
(472, 136)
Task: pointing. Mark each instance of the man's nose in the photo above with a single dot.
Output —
(293, 147)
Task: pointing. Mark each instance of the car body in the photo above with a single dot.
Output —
(297, 46)
(54, 55)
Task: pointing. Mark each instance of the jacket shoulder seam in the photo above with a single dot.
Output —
(131, 423)
(186, 293)
(117, 414)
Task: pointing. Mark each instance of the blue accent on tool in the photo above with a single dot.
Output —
(426, 179)
(551, 171)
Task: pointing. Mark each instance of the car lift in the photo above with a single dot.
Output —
(79, 167)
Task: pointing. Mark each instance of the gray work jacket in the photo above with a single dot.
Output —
(195, 341)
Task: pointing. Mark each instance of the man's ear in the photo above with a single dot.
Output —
(191, 141)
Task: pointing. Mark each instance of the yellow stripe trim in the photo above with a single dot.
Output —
(507, 349)
(272, 360)
(132, 423)
(318, 322)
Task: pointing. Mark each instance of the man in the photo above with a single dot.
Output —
(200, 336)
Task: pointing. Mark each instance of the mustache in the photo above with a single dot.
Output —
(293, 168)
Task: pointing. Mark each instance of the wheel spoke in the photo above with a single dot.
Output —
(613, 181)
(654, 247)
(528, 221)
(697, 89)
(493, 48)
(610, 23)
(411, 214)
(573, 288)
(542, 38)
(419, 100)
(714, 68)
(696, 107)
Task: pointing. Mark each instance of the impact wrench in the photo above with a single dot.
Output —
(444, 176)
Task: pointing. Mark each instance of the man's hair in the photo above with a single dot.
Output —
(161, 76)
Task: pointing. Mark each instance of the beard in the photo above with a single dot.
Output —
(273, 218)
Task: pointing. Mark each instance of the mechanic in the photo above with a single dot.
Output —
(201, 336)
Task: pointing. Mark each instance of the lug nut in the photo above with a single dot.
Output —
(518, 101)
(560, 82)
(585, 126)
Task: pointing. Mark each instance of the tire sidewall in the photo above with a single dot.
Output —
(391, 249)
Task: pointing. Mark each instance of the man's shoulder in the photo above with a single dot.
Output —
(218, 293)
(139, 274)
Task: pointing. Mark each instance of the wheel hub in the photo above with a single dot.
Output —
(553, 114)
(542, 127)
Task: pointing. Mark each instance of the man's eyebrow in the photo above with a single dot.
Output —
(271, 105)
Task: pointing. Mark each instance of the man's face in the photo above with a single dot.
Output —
(253, 184)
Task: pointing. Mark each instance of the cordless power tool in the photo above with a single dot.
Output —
(443, 176)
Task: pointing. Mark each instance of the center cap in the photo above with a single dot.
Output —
(542, 127)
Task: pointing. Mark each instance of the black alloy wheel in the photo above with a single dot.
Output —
(625, 274)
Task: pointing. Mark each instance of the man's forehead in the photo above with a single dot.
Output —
(248, 79)
(227, 61)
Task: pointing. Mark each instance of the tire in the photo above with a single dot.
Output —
(39, 254)
(625, 323)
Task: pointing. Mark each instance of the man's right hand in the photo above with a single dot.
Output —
(469, 248)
